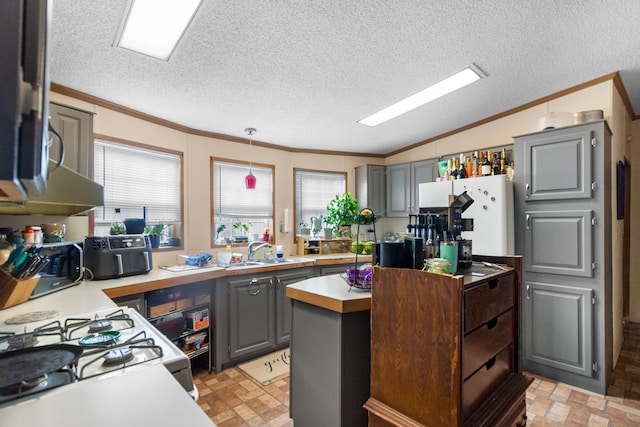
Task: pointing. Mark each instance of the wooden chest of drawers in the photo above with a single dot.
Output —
(444, 349)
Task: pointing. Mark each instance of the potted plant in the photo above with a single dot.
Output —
(305, 230)
(343, 211)
(316, 225)
(155, 233)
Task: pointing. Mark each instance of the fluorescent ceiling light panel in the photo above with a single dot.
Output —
(154, 27)
(435, 91)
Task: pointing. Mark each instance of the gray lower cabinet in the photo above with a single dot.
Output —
(563, 230)
(76, 129)
(403, 184)
(558, 322)
(252, 314)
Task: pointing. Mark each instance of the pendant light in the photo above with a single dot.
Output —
(250, 180)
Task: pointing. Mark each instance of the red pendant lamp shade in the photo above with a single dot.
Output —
(250, 180)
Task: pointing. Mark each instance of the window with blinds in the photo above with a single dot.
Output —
(241, 215)
(141, 182)
(314, 191)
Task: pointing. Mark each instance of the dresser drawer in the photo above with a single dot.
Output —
(484, 302)
(485, 342)
(480, 385)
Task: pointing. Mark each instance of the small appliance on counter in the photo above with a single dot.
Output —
(110, 257)
(65, 268)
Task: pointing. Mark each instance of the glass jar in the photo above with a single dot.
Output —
(438, 265)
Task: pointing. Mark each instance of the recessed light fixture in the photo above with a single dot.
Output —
(435, 91)
(154, 27)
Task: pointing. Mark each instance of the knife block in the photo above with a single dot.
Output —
(14, 291)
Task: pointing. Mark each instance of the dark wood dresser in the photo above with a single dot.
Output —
(444, 348)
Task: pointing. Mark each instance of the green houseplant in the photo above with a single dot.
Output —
(155, 232)
(343, 211)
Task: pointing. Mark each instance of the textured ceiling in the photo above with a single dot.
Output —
(304, 72)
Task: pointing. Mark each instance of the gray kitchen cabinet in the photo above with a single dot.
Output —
(252, 314)
(76, 129)
(403, 184)
(563, 230)
(569, 347)
(557, 165)
(371, 184)
(283, 302)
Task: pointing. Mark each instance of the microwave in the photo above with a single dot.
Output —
(24, 108)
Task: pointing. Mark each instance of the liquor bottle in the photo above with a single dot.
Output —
(486, 165)
(479, 164)
(503, 169)
(469, 168)
(454, 168)
(496, 165)
(474, 164)
(462, 173)
(503, 156)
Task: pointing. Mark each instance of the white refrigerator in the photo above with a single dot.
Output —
(491, 210)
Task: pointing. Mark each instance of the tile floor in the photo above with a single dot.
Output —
(232, 398)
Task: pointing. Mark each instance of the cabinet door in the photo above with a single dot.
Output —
(371, 188)
(421, 172)
(283, 303)
(398, 190)
(559, 242)
(251, 315)
(558, 323)
(557, 166)
(76, 129)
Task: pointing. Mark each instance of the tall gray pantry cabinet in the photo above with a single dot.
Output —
(563, 230)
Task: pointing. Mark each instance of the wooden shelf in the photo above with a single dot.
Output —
(308, 245)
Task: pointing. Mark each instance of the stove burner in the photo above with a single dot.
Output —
(117, 357)
(17, 342)
(100, 325)
(27, 385)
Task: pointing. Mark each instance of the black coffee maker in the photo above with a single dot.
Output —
(437, 224)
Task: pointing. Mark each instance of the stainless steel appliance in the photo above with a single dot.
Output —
(130, 343)
(109, 257)
(65, 268)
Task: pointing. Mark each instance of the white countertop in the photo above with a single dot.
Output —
(149, 396)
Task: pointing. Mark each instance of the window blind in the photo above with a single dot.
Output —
(135, 178)
(314, 191)
(232, 199)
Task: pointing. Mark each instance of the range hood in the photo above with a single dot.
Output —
(68, 193)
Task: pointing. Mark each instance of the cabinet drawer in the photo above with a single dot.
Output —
(480, 385)
(485, 342)
(484, 302)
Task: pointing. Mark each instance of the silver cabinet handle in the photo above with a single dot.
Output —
(528, 219)
(119, 262)
(278, 283)
(528, 293)
(256, 284)
(527, 189)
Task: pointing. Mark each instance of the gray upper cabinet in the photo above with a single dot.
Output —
(558, 166)
(559, 242)
(371, 184)
(76, 129)
(403, 183)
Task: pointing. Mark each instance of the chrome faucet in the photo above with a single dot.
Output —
(252, 250)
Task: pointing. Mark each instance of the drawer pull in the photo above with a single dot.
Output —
(492, 323)
(493, 284)
(490, 363)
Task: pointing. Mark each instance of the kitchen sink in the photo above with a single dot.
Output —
(245, 264)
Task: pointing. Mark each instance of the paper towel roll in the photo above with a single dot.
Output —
(286, 222)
